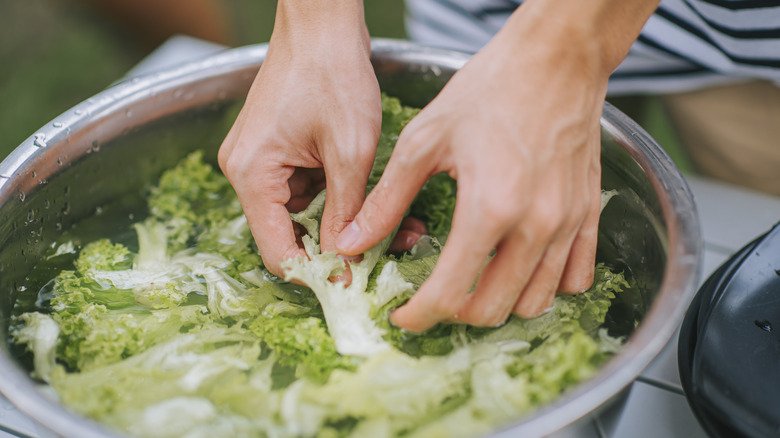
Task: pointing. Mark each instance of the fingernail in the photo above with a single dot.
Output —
(392, 318)
(350, 258)
(348, 237)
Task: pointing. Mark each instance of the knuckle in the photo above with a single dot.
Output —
(579, 208)
(351, 155)
(232, 166)
(549, 218)
(417, 142)
(501, 210)
(589, 232)
(337, 221)
(334, 225)
(222, 158)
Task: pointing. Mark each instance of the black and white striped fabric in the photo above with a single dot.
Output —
(686, 44)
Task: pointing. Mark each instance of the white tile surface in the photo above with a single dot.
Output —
(651, 412)
(13, 423)
(582, 429)
(732, 216)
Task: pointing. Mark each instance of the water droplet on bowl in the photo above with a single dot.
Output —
(57, 124)
(39, 140)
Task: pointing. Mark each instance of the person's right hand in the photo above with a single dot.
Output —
(312, 120)
(518, 128)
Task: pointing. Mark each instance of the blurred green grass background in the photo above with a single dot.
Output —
(58, 53)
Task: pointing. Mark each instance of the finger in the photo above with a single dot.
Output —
(447, 289)
(538, 295)
(501, 282)
(274, 234)
(263, 199)
(345, 194)
(386, 205)
(579, 271)
(578, 274)
(413, 224)
(404, 240)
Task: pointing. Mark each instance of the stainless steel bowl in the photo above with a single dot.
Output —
(121, 139)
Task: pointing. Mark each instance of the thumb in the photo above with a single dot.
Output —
(384, 207)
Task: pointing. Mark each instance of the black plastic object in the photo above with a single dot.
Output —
(729, 346)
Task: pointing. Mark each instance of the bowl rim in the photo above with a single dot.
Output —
(681, 273)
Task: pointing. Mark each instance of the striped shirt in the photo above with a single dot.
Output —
(686, 44)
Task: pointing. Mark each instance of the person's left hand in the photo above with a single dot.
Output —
(312, 118)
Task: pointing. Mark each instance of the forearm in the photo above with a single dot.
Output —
(595, 34)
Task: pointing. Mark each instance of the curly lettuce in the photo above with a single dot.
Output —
(187, 334)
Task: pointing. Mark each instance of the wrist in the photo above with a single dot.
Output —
(309, 26)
